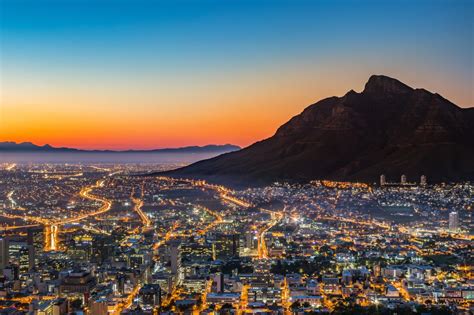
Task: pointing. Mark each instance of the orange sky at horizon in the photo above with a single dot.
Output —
(240, 109)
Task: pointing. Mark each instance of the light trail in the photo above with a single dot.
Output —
(167, 236)
(138, 207)
(216, 215)
(53, 238)
(100, 168)
(17, 227)
(235, 200)
(61, 176)
(95, 230)
(128, 301)
(14, 204)
(52, 228)
(10, 167)
(86, 193)
(262, 249)
(25, 217)
(10, 198)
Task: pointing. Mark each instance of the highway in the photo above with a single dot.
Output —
(86, 193)
(52, 228)
(262, 245)
(138, 208)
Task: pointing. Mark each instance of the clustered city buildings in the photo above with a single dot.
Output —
(82, 239)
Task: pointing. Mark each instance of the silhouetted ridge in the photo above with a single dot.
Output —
(9, 146)
(389, 128)
(380, 84)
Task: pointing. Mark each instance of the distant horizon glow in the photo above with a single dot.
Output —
(158, 74)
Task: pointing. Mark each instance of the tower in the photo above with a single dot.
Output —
(403, 179)
(175, 257)
(4, 253)
(219, 279)
(453, 224)
(382, 180)
(423, 180)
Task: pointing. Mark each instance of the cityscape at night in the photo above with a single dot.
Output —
(102, 239)
(267, 157)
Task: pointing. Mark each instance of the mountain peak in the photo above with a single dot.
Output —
(381, 84)
(389, 129)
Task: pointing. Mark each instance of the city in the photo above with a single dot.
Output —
(110, 239)
(236, 157)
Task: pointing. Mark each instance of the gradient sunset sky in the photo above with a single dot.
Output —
(150, 74)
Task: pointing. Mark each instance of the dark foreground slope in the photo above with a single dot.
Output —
(389, 128)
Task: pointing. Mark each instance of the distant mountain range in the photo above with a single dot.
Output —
(30, 147)
(389, 128)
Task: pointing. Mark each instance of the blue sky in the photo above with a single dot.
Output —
(54, 52)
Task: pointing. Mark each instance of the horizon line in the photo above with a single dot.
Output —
(120, 150)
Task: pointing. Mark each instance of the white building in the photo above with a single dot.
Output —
(453, 221)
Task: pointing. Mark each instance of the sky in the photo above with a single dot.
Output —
(116, 74)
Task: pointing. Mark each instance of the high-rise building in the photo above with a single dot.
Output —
(382, 180)
(4, 253)
(149, 296)
(175, 257)
(403, 179)
(55, 307)
(26, 258)
(423, 180)
(103, 248)
(453, 221)
(99, 306)
(226, 246)
(36, 240)
(219, 280)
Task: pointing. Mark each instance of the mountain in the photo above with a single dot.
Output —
(388, 128)
(25, 147)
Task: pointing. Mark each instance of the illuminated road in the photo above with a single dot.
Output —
(10, 198)
(262, 245)
(86, 193)
(52, 228)
(18, 227)
(51, 241)
(226, 195)
(25, 217)
(217, 216)
(167, 237)
(10, 167)
(235, 200)
(138, 208)
(14, 204)
(128, 301)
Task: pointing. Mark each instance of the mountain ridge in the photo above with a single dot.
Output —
(10, 146)
(389, 128)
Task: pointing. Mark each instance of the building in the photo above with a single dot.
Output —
(403, 179)
(26, 258)
(175, 257)
(35, 238)
(52, 307)
(99, 306)
(150, 296)
(4, 253)
(383, 180)
(225, 246)
(453, 224)
(423, 181)
(219, 280)
(78, 283)
(223, 298)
